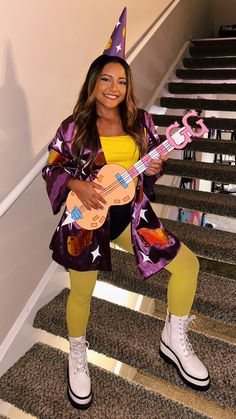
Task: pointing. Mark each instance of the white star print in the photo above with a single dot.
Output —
(69, 220)
(118, 48)
(142, 214)
(118, 24)
(96, 253)
(59, 144)
(133, 216)
(146, 258)
(84, 164)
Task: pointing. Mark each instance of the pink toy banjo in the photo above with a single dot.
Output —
(118, 183)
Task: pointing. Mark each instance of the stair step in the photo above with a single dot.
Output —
(206, 74)
(125, 275)
(224, 147)
(208, 104)
(218, 123)
(208, 243)
(216, 42)
(214, 51)
(213, 62)
(221, 204)
(215, 267)
(133, 338)
(220, 173)
(207, 88)
(37, 385)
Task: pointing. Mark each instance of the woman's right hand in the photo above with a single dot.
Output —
(86, 192)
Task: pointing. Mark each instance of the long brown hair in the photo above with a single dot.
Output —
(85, 114)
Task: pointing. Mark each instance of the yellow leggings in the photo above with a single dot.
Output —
(180, 294)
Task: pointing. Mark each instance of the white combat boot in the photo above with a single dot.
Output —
(79, 383)
(176, 349)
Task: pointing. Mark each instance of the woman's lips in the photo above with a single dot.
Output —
(109, 96)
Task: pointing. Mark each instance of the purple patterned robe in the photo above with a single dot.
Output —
(83, 250)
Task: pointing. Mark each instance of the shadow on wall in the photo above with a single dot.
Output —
(15, 130)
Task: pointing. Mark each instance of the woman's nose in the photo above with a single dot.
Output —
(114, 85)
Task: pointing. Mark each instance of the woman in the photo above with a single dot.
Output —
(107, 127)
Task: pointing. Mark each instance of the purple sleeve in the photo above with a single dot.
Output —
(60, 167)
(153, 141)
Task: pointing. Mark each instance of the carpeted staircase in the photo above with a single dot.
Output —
(37, 382)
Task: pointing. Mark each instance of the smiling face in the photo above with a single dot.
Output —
(111, 86)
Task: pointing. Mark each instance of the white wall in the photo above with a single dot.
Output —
(45, 50)
(25, 232)
(223, 13)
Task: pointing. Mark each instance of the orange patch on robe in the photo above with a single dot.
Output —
(76, 243)
(158, 237)
(54, 156)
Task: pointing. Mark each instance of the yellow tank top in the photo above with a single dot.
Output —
(120, 150)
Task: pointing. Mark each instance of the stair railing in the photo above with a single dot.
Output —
(22, 185)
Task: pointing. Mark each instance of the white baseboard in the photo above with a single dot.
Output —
(13, 332)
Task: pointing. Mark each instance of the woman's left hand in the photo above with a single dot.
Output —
(155, 166)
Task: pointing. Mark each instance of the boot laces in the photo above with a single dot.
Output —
(186, 343)
(79, 356)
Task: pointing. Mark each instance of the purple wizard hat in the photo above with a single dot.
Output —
(116, 43)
